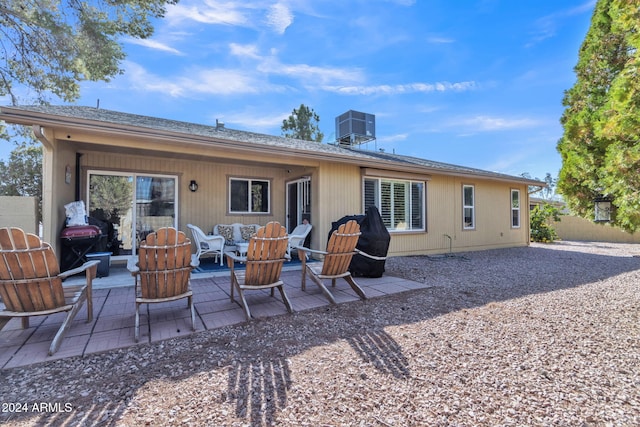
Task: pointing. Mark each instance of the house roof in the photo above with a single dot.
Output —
(113, 121)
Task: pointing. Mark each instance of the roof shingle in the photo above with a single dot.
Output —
(97, 115)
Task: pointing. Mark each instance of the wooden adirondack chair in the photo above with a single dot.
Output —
(163, 271)
(340, 249)
(265, 256)
(31, 282)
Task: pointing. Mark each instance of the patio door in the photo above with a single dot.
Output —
(298, 202)
(133, 204)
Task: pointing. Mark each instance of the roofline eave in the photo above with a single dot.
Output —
(35, 118)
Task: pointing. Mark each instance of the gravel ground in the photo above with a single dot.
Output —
(541, 336)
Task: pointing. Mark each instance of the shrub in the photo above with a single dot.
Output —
(541, 230)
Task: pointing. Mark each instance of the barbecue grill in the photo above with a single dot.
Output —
(79, 240)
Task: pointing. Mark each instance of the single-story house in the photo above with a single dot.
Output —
(140, 173)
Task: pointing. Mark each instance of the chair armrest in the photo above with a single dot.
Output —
(231, 261)
(377, 258)
(233, 256)
(80, 269)
(195, 261)
(313, 251)
(132, 265)
(295, 241)
(213, 238)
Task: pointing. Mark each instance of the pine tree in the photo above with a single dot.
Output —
(302, 124)
(595, 118)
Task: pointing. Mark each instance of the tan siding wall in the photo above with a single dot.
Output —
(53, 215)
(208, 206)
(444, 218)
(338, 191)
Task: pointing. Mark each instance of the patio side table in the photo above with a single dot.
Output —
(242, 248)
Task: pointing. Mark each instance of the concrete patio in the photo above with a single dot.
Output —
(114, 311)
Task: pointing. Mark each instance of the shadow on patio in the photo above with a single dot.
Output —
(114, 309)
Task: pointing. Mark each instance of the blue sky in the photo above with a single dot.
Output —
(474, 83)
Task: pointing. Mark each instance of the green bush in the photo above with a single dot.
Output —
(541, 231)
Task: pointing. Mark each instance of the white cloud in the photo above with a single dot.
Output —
(221, 82)
(207, 12)
(508, 161)
(256, 121)
(245, 51)
(403, 2)
(252, 79)
(196, 82)
(403, 89)
(279, 17)
(316, 75)
(313, 74)
(270, 65)
(427, 109)
(487, 123)
(250, 14)
(145, 81)
(255, 78)
(154, 44)
(580, 9)
(439, 40)
(547, 26)
(393, 138)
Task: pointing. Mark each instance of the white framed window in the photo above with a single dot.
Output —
(515, 208)
(249, 196)
(401, 203)
(468, 207)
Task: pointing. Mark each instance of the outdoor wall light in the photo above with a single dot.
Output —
(193, 185)
(602, 209)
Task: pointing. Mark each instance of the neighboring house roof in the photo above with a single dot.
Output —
(114, 121)
(560, 204)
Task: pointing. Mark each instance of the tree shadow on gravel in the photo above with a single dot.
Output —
(380, 350)
(254, 357)
(259, 389)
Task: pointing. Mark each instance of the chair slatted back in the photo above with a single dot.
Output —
(164, 259)
(266, 255)
(29, 272)
(340, 249)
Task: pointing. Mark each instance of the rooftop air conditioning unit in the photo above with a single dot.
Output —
(354, 127)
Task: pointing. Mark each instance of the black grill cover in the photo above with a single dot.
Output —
(107, 231)
(374, 240)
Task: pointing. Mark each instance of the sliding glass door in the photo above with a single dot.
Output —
(298, 202)
(133, 205)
